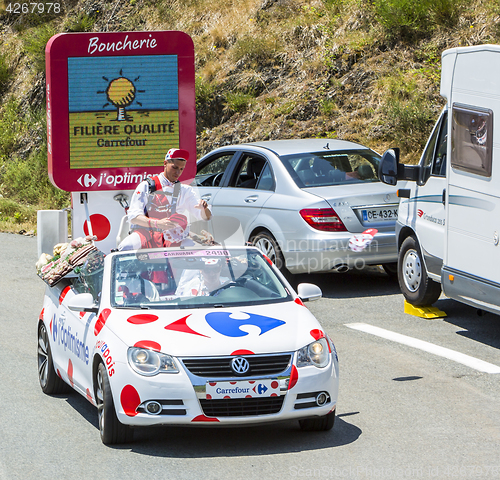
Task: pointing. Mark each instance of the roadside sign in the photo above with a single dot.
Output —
(116, 103)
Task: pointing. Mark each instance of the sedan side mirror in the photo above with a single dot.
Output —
(83, 302)
(388, 168)
(309, 292)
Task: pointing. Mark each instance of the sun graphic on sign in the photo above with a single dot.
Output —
(121, 93)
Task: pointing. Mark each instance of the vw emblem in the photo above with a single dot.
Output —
(240, 365)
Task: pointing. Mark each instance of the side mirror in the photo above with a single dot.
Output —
(83, 302)
(388, 168)
(309, 292)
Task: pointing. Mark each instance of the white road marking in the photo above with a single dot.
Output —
(467, 360)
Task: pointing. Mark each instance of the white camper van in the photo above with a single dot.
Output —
(448, 228)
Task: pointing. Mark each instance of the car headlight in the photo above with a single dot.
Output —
(316, 353)
(147, 362)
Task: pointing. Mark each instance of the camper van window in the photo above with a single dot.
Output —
(439, 163)
(428, 155)
(472, 139)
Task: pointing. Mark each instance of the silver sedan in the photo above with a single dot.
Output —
(310, 205)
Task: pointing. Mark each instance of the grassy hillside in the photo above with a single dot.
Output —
(362, 70)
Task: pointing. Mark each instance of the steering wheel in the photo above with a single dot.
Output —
(216, 179)
(227, 285)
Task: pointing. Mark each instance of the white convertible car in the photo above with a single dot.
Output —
(200, 336)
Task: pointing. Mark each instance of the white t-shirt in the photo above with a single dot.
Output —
(186, 202)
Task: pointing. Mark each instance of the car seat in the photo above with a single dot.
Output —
(253, 170)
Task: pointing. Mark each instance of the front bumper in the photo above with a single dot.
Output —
(183, 400)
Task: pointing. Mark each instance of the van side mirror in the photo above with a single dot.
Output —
(388, 168)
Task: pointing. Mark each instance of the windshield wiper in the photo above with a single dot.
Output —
(133, 307)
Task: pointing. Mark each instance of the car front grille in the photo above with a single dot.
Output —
(242, 407)
(215, 367)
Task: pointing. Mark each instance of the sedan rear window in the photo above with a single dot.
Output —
(319, 169)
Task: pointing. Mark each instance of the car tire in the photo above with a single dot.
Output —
(266, 243)
(417, 287)
(318, 424)
(112, 431)
(50, 382)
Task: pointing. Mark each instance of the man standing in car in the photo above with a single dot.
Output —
(156, 207)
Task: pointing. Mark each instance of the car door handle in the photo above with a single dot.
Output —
(251, 198)
(443, 198)
(206, 197)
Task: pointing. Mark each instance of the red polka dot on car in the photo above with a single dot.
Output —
(70, 372)
(149, 345)
(130, 400)
(100, 226)
(317, 334)
(275, 384)
(242, 352)
(142, 318)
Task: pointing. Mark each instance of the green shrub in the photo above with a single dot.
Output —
(256, 49)
(414, 19)
(4, 74)
(204, 90)
(34, 45)
(82, 23)
(10, 127)
(238, 101)
(27, 182)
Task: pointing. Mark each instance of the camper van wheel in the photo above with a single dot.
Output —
(417, 287)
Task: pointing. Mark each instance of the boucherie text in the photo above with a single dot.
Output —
(96, 46)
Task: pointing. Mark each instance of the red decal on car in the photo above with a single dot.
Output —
(70, 372)
(298, 301)
(294, 377)
(317, 334)
(203, 418)
(142, 318)
(149, 345)
(63, 294)
(181, 326)
(130, 400)
(101, 321)
(242, 352)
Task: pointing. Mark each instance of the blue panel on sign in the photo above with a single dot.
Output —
(153, 79)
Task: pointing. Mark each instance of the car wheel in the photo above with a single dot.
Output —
(112, 431)
(319, 424)
(417, 287)
(50, 382)
(269, 247)
(391, 269)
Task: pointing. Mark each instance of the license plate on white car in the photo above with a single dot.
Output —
(379, 214)
(269, 387)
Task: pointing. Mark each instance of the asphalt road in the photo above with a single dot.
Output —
(402, 412)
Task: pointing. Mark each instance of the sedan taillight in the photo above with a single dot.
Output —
(325, 219)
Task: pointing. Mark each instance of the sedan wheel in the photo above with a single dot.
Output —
(417, 287)
(112, 431)
(269, 247)
(50, 382)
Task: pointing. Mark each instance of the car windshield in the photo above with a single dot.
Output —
(328, 167)
(194, 279)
